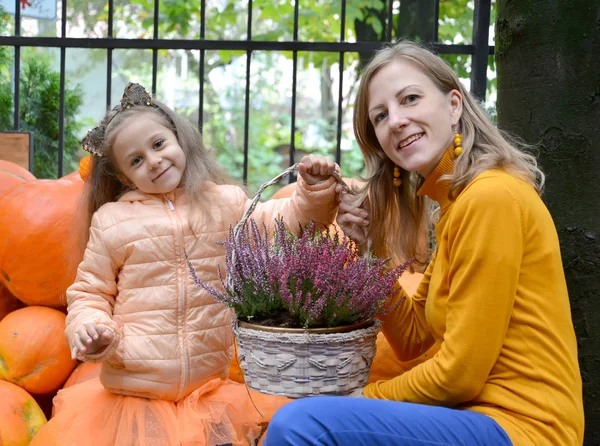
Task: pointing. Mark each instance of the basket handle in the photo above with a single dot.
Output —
(275, 180)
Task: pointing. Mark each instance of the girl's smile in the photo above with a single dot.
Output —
(154, 162)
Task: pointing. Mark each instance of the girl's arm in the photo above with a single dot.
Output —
(485, 247)
(90, 300)
(316, 201)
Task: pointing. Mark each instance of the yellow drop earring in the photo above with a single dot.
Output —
(458, 144)
(397, 178)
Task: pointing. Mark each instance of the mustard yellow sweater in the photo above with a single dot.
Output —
(495, 301)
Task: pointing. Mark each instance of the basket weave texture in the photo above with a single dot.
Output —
(306, 364)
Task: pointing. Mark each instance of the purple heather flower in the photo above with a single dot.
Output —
(317, 277)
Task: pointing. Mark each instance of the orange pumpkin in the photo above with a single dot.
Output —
(12, 174)
(83, 372)
(20, 416)
(8, 302)
(38, 246)
(34, 352)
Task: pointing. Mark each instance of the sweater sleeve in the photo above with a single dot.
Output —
(91, 298)
(308, 202)
(485, 249)
(405, 326)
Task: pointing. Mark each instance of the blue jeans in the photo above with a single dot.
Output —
(330, 421)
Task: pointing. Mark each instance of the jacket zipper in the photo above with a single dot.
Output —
(182, 299)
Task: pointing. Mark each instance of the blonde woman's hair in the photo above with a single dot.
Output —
(398, 216)
(103, 184)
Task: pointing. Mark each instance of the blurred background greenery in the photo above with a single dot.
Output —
(269, 132)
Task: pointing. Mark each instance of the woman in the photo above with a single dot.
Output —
(493, 298)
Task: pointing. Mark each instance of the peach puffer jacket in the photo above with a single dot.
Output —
(170, 336)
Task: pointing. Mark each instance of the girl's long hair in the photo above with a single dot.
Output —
(103, 184)
(399, 217)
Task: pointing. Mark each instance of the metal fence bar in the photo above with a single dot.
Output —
(109, 54)
(479, 50)
(61, 112)
(338, 147)
(390, 20)
(17, 75)
(155, 50)
(247, 103)
(245, 45)
(479, 60)
(201, 67)
(436, 21)
(294, 90)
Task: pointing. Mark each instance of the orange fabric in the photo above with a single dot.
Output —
(385, 364)
(219, 412)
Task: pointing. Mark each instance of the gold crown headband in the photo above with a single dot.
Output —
(133, 95)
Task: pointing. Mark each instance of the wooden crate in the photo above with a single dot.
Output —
(17, 147)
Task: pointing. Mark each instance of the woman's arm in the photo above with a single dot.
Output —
(405, 325)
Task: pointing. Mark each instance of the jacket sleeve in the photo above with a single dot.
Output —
(317, 202)
(92, 297)
(485, 249)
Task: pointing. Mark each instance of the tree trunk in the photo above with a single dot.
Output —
(366, 33)
(549, 93)
(417, 20)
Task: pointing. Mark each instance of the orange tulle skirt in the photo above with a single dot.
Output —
(219, 412)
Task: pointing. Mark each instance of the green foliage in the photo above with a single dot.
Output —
(40, 106)
(39, 109)
(272, 20)
(5, 63)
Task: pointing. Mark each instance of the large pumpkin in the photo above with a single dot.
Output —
(12, 174)
(38, 246)
(83, 372)
(34, 351)
(20, 416)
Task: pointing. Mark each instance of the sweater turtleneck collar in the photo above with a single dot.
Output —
(434, 188)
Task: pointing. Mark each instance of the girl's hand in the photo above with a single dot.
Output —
(90, 339)
(358, 393)
(316, 168)
(352, 218)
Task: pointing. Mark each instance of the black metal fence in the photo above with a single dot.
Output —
(479, 50)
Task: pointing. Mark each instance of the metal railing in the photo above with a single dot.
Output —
(479, 51)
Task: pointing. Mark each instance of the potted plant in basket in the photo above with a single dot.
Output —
(304, 308)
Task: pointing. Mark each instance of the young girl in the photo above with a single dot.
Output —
(165, 345)
(494, 297)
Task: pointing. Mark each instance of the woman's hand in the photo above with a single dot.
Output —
(316, 168)
(353, 218)
(90, 339)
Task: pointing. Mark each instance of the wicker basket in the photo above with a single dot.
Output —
(304, 362)
(298, 363)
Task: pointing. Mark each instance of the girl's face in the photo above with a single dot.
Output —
(148, 154)
(412, 118)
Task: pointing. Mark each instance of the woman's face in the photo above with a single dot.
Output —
(412, 118)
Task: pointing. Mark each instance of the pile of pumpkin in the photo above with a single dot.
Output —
(37, 264)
